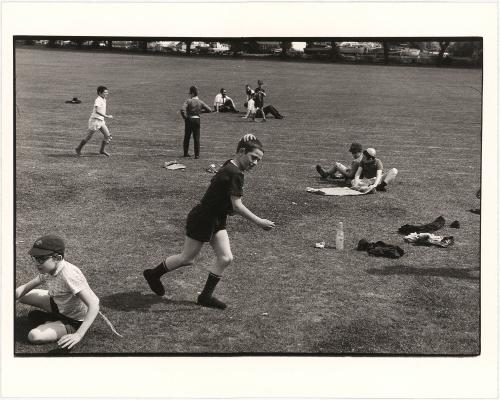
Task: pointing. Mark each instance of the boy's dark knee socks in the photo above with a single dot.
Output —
(210, 285)
(160, 269)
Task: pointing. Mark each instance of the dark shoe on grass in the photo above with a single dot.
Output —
(186, 156)
(154, 283)
(211, 302)
(321, 171)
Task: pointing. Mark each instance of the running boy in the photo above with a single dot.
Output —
(206, 222)
(70, 305)
(97, 122)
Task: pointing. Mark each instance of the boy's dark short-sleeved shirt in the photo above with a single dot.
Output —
(370, 167)
(227, 182)
(209, 216)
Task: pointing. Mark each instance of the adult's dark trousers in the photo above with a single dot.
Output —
(271, 110)
(226, 107)
(192, 127)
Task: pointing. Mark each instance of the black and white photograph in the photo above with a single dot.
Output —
(179, 195)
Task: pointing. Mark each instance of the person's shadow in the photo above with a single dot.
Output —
(22, 327)
(72, 154)
(466, 273)
(136, 301)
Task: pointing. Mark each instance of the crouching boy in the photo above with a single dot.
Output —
(69, 305)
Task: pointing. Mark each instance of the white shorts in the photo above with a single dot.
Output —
(96, 124)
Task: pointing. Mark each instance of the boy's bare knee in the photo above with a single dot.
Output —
(226, 259)
(34, 336)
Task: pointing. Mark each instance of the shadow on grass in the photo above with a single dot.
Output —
(443, 272)
(22, 327)
(73, 155)
(136, 301)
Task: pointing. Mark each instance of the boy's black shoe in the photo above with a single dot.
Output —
(321, 171)
(381, 187)
(154, 282)
(196, 157)
(186, 156)
(210, 302)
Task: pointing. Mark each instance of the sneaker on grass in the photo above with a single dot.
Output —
(154, 282)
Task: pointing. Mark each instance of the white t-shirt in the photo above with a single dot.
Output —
(219, 100)
(99, 105)
(251, 105)
(63, 286)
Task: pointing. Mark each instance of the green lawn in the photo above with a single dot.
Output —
(124, 214)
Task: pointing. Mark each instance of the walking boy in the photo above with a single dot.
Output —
(97, 122)
(70, 306)
(190, 111)
(206, 222)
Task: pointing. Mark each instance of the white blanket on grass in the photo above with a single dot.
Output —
(334, 191)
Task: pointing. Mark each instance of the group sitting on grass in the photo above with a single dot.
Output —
(365, 173)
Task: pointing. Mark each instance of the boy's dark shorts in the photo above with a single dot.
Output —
(70, 324)
(201, 225)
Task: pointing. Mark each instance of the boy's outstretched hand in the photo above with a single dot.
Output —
(69, 340)
(266, 224)
(248, 136)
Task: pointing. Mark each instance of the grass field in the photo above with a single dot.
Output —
(126, 213)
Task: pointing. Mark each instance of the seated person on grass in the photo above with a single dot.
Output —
(69, 305)
(224, 103)
(369, 175)
(260, 93)
(339, 170)
(250, 105)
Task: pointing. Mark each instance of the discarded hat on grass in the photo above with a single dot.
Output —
(370, 152)
(74, 100)
(48, 244)
(355, 148)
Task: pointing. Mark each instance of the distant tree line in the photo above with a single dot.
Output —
(386, 51)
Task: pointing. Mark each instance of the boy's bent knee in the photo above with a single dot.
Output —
(226, 259)
(35, 336)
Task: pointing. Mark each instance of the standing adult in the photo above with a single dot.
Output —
(190, 111)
